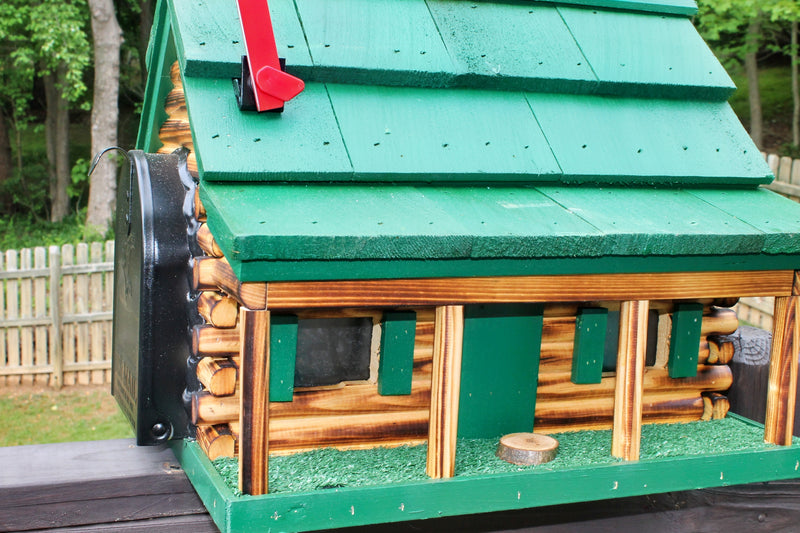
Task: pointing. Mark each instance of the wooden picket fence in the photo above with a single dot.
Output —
(787, 175)
(55, 315)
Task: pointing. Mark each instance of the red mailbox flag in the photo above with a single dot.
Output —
(271, 86)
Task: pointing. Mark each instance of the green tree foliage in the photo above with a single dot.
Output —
(59, 35)
(740, 31)
(41, 39)
(17, 61)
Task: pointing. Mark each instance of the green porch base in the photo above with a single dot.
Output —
(470, 494)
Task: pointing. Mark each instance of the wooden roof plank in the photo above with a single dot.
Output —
(375, 42)
(492, 45)
(230, 144)
(776, 216)
(637, 52)
(598, 139)
(639, 221)
(408, 49)
(673, 7)
(353, 222)
(441, 134)
(335, 223)
(210, 36)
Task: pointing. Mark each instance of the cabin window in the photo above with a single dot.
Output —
(332, 350)
(612, 340)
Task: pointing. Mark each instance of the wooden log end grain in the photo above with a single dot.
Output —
(527, 448)
(216, 441)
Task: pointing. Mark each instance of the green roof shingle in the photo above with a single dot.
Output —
(448, 138)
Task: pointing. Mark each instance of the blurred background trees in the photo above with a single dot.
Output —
(72, 76)
(71, 82)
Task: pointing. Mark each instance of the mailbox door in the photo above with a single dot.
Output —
(154, 308)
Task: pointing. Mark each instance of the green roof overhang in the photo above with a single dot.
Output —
(289, 232)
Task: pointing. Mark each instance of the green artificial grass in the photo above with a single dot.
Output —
(329, 468)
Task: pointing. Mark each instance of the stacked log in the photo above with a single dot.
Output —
(175, 132)
(563, 406)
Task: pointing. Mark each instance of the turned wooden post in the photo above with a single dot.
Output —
(782, 388)
(445, 389)
(627, 430)
(254, 401)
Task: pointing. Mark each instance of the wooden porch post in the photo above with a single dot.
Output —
(254, 401)
(782, 388)
(445, 389)
(627, 432)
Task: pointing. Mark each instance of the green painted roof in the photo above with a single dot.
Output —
(452, 137)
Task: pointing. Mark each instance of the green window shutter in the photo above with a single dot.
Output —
(684, 343)
(396, 362)
(591, 326)
(282, 354)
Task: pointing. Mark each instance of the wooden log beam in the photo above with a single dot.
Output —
(210, 341)
(556, 386)
(782, 388)
(598, 413)
(719, 322)
(199, 209)
(254, 406)
(207, 242)
(720, 352)
(218, 375)
(627, 431)
(349, 400)
(217, 309)
(359, 430)
(214, 273)
(715, 406)
(216, 441)
(521, 289)
(445, 390)
(556, 395)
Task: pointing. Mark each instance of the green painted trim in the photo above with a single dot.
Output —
(687, 320)
(279, 222)
(396, 363)
(347, 507)
(410, 269)
(211, 488)
(499, 369)
(282, 357)
(161, 56)
(666, 7)
(591, 326)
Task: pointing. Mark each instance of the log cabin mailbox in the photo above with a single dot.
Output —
(477, 218)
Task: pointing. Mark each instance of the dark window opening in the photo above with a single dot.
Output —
(332, 350)
(612, 340)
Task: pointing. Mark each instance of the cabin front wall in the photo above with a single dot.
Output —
(517, 375)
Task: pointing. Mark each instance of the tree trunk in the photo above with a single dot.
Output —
(145, 25)
(57, 140)
(107, 39)
(51, 99)
(6, 165)
(751, 69)
(795, 88)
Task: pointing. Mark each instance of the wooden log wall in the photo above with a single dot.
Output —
(175, 132)
(356, 416)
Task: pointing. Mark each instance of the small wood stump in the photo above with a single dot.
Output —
(527, 448)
